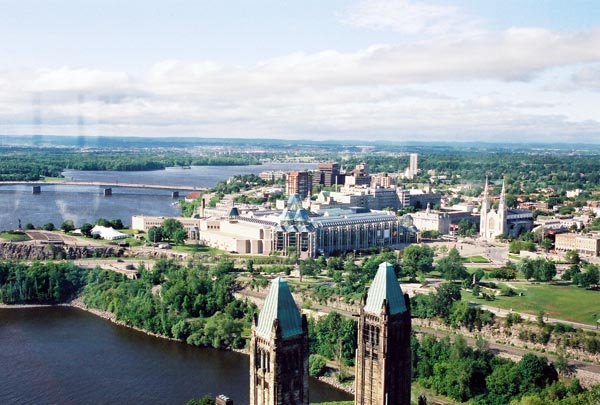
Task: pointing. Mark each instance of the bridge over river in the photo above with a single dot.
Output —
(37, 185)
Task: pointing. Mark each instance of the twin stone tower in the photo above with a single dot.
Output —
(279, 347)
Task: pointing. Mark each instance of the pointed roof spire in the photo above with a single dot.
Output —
(503, 194)
(280, 306)
(385, 289)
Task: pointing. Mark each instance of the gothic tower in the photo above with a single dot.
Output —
(502, 211)
(383, 357)
(279, 351)
(485, 206)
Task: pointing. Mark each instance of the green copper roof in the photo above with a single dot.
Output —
(279, 305)
(385, 286)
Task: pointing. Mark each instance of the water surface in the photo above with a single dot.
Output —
(62, 355)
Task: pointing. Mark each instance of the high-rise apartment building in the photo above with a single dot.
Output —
(327, 174)
(298, 183)
(414, 163)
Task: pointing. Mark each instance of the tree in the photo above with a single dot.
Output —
(526, 268)
(535, 373)
(179, 236)
(67, 226)
(590, 277)
(317, 365)
(466, 227)
(48, 227)
(452, 267)
(417, 259)
(29, 226)
(572, 257)
(154, 235)
(446, 295)
(205, 400)
(86, 229)
(545, 270)
(117, 224)
(546, 244)
(309, 267)
(103, 222)
(169, 227)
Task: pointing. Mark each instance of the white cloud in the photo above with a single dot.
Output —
(66, 79)
(393, 91)
(411, 18)
(587, 78)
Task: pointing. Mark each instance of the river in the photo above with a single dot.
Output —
(82, 204)
(63, 355)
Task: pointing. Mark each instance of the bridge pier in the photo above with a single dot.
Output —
(107, 192)
(36, 189)
(175, 194)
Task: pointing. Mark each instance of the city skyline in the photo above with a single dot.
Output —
(367, 69)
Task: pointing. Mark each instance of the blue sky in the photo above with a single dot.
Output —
(320, 69)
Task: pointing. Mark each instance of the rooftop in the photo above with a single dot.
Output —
(385, 287)
(279, 305)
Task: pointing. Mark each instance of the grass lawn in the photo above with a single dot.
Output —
(200, 249)
(476, 259)
(557, 301)
(15, 237)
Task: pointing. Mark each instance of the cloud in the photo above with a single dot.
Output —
(411, 18)
(397, 91)
(587, 78)
(517, 54)
(66, 79)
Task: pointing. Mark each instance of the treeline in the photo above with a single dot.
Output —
(31, 165)
(40, 282)
(193, 303)
(524, 172)
(464, 373)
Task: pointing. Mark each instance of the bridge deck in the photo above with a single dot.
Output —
(102, 184)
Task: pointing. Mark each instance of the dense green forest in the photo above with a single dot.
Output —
(30, 164)
(40, 282)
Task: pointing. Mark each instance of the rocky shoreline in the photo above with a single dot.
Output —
(30, 251)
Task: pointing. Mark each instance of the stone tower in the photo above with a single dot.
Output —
(502, 211)
(383, 357)
(279, 351)
(485, 206)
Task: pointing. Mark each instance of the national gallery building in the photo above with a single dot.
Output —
(295, 230)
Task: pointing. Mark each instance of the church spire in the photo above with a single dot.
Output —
(485, 202)
(502, 196)
(483, 222)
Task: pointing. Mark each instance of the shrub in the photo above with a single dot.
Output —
(317, 365)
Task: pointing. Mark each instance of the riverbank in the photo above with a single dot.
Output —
(78, 303)
(18, 306)
(109, 316)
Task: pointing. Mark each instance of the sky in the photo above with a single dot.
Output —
(399, 70)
